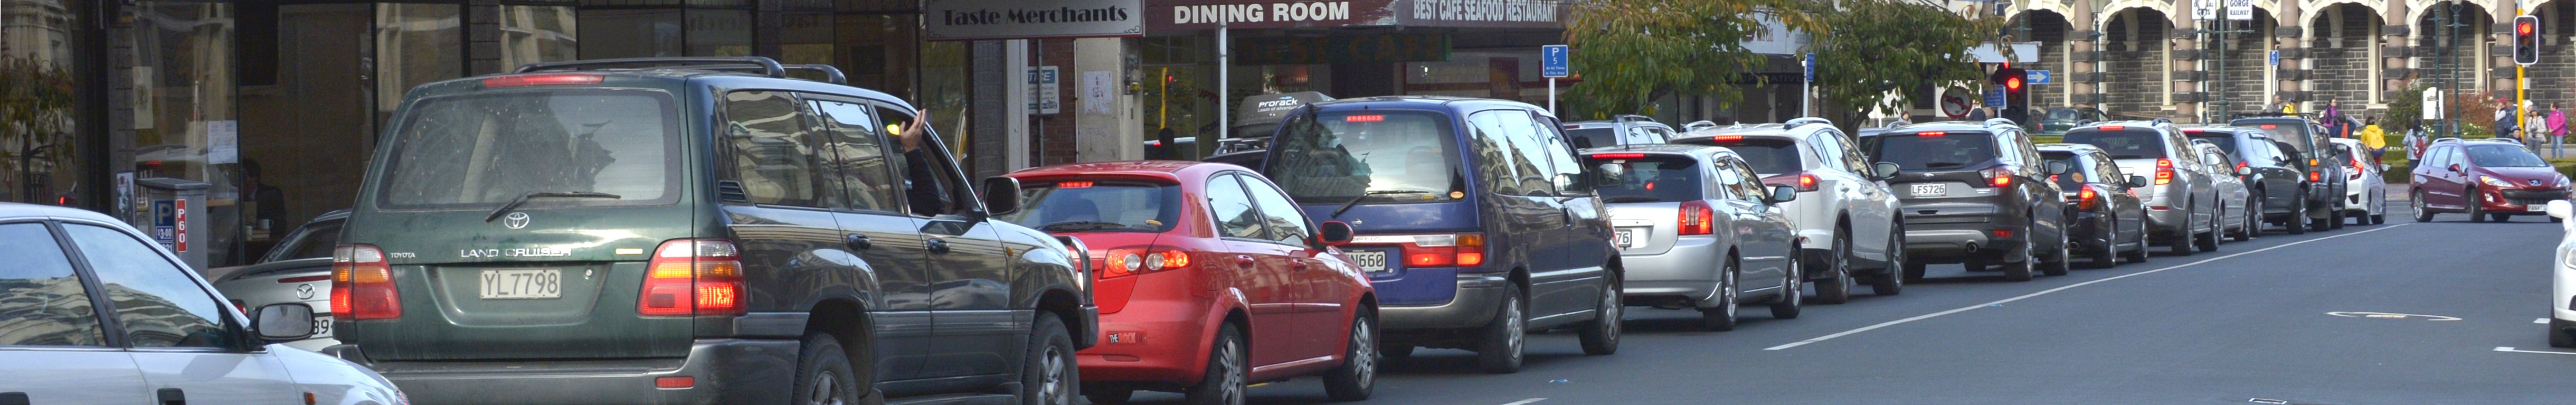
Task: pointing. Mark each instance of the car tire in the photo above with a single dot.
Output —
(2558, 336)
(2058, 264)
(1793, 294)
(2474, 208)
(2183, 243)
(1227, 375)
(1500, 353)
(2298, 219)
(2209, 243)
(1049, 375)
(2324, 223)
(2415, 202)
(2140, 254)
(1356, 378)
(1891, 281)
(1108, 396)
(824, 374)
(2109, 255)
(1913, 272)
(1601, 337)
(1722, 317)
(2021, 270)
(1837, 285)
(2253, 223)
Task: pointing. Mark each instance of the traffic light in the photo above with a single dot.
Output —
(2016, 86)
(2526, 40)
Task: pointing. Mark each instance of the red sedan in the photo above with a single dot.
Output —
(1208, 278)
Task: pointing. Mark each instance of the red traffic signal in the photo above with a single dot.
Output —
(2524, 27)
(2526, 40)
(2012, 83)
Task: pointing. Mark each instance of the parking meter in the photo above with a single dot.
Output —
(171, 209)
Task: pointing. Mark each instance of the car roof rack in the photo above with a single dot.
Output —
(2000, 121)
(1805, 121)
(766, 66)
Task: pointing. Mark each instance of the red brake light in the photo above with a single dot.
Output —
(2003, 234)
(362, 284)
(2085, 199)
(1806, 182)
(2270, 126)
(1618, 155)
(2164, 163)
(693, 277)
(2314, 176)
(1461, 250)
(1073, 184)
(1726, 138)
(560, 79)
(1935, 134)
(2240, 165)
(2114, 127)
(1141, 260)
(1998, 176)
(1364, 118)
(2357, 169)
(1697, 218)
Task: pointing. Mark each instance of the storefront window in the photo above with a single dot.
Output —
(532, 34)
(37, 135)
(416, 44)
(943, 85)
(719, 32)
(183, 104)
(640, 33)
(880, 51)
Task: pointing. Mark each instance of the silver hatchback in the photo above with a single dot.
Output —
(1696, 228)
(298, 270)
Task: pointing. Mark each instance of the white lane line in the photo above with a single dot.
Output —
(2511, 349)
(2052, 290)
(2539, 320)
(1525, 401)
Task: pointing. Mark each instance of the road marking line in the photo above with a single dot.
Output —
(1525, 401)
(2540, 320)
(2052, 290)
(2511, 349)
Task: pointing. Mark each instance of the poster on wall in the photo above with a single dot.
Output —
(145, 110)
(223, 142)
(1096, 93)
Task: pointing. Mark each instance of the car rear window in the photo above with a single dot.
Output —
(1652, 178)
(1097, 206)
(1604, 136)
(491, 148)
(1385, 155)
(2125, 143)
(2074, 177)
(2225, 140)
(1767, 156)
(2287, 132)
(1933, 150)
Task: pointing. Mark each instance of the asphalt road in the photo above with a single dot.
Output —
(2251, 323)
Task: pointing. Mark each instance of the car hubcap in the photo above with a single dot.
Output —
(827, 389)
(1610, 311)
(1055, 388)
(1364, 353)
(1727, 299)
(1512, 320)
(1233, 364)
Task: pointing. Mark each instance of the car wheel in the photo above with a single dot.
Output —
(1357, 377)
(1793, 292)
(2558, 336)
(2298, 219)
(2058, 264)
(2109, 255)
(2379, 215)
(1721, 318)
(2020, 270)
(1601, 337)
(1048, 376)
(1892, 280)
(2341, 211)
(1837, 285)
(1108, 395)
(2322, 222)
(2139, 255)
(1227, 376)
(2183, 243)
(2209, 243)
(2415, 203)
(1501, 351)
(824, 374)
(2475, 206)
(2253, 223)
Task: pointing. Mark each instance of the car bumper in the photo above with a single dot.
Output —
(2162, 221)
(1948, 241)
(2518, 201)
(2087, 233)
(1158, 345)
(1689, 270)
(1472, 305)
(725, 371)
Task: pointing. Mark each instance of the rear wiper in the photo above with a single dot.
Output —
(1337, 212)
(523, 199)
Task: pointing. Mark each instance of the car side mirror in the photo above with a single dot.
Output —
(2244, 170)
(2057, 168)
(1886, 170)
(290, 321)
(1782, 194)
(2137, 181)
(1333, 233)
(1001, 195)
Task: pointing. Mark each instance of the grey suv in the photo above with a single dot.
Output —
(1975, 193)
(2183, 208)
(686, 232)
(1618, 131)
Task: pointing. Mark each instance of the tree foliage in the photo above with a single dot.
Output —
(1870, 47)
(1631, 52)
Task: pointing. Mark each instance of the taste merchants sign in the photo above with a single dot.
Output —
(957, 20)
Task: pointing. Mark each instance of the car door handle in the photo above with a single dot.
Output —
(173, 396)
(1297, 265)
(937, 246)
(859, 242)
(1243, 261)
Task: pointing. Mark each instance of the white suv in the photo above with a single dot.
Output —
(1844, 213)
(2562, 279)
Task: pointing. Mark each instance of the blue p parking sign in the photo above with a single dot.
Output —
(1552, 61)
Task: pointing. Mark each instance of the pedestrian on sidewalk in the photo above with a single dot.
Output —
(2505, 121)
(2557, 122)
(2374, 138)
(2537, 125)
(2415, 142)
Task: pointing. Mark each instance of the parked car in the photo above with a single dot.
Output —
(2057, 120)
(2307, 143)
(689, 232)
(1474, 221)
(1209, 280)
(154, 332)
(2109, 222)
(2366, 189)
(1844, 206)
(1975, 193)
(1679, 209)
(2183, 209)
(2235, 200)
(2562, 277)
(297, 270)
(1619, 130)
(2486, 179)
(2278, 183)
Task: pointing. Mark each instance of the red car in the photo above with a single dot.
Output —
(2488, 180)
(1208, 278)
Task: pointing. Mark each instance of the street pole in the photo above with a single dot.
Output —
(1551, 96)
(1224, 73)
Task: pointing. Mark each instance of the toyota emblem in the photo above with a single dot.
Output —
(515, 220)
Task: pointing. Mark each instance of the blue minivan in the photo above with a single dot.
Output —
(1472, 219)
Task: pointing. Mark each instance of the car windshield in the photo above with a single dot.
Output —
(492, 148)
(1097, 206)
(2504, 156)
(1654, 178)
(2225, 140)
(314, 240)
(1598, 136)
(1383, 155)
(2124, 143)
(1767, 156)
(2061, 114)
(1933, 150)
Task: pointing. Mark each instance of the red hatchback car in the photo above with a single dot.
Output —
(1208, 278)
(2488, 180)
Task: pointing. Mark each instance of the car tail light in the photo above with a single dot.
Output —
(1998, 176)
(1726, 138)
(2164, 171)
(1140, 260)
(693, 277)
(362, 284)
(1443, 250)
(2114, 127)
(1932, 134)
(2315, 176)
(1697, 218)
(1802, 181)
(1618, 155)
(2086, 199)
(543, 80)
(2003, 234)
(2356, 170)
(2240, 166)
